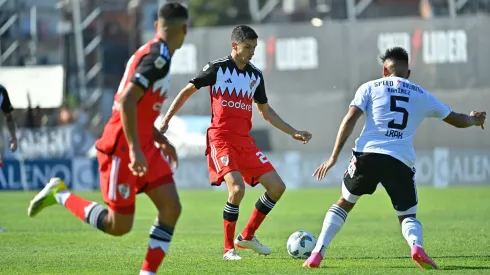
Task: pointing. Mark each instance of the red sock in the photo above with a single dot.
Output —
(253, 224)
(262, 207)
(160, 237)
(154, 257)
(77, 206)
(229, 228)
(230, 216)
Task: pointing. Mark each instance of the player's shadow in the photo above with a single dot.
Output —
(459, 267)
(405, 257)
(445, 267)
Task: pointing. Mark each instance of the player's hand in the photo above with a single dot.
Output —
(13, 145)
(137, 165)
(321, 171)
(170, 153)
(480, 116)
(163, 127)
(303, 136)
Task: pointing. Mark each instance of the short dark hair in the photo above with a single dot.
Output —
(395, 54)
(243, 32)
(172, 11)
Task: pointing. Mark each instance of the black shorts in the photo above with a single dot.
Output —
(366, 170)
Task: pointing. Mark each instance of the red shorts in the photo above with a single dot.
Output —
(118, 184)
(226, 157)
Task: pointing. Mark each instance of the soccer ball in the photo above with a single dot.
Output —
(301, 244)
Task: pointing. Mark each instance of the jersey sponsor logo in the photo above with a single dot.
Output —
(236, 104)
(124, 190)
(157, 106)
(383, 83)
(160, 62)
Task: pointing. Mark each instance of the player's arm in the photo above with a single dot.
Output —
(128, 102)
(8, 111)
(357, 107)
(437, 109)
(159, 137)
(345, 130)
(459, 120)
(151, 67)
(178, 102)
(266, 111)
(206, 77)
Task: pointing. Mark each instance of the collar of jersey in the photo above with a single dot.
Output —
(236, 66)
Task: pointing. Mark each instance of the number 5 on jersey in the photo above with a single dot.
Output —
(392, 124)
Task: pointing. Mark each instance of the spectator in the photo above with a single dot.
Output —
(66, 116)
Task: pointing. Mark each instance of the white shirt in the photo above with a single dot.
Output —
(394, 108)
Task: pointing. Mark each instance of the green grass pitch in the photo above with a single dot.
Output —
(456, 225)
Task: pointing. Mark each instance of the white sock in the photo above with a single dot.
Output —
(144, 272)
(333, 222)
(62, 196)
(412, 231)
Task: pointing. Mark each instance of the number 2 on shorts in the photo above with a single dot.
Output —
(262, 157)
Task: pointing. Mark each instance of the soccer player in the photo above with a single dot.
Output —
(129, 161)
(232, 154)
(8, 110)
(384, 153)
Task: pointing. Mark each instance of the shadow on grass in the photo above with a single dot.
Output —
(462, 267)
(406, 257)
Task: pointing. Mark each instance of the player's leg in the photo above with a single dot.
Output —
(255, 168)
(236, 192)
(116, 221)
(222, 166)
(163, 194)
(399, 183)
(359, 179)
(275, 187)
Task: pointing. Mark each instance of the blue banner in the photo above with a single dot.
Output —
(52, 142)
(78, 173)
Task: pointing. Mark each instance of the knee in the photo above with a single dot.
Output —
(177, 210)
(345, 204)
(118, 224)
(171, 213)
(236, 192)
(276, 190)
(120, 230)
